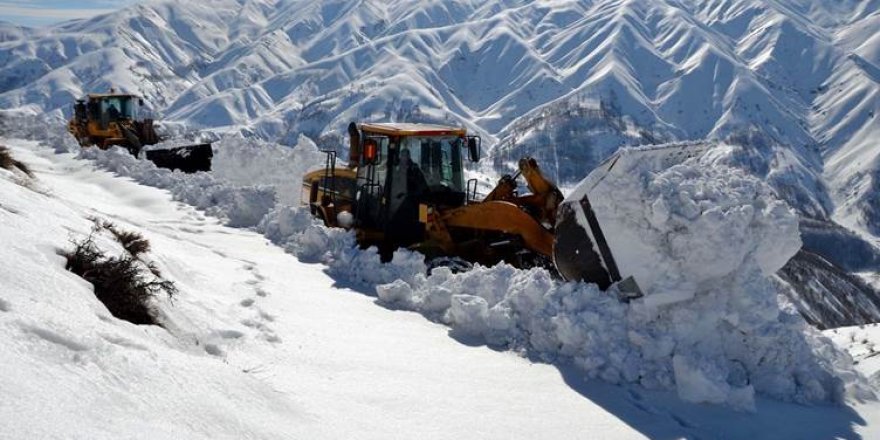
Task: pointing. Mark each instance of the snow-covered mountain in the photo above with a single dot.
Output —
(792, 83)
(803, 73)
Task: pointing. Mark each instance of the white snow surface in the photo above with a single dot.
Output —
(267, 347)
(683, 228)
(247, 162)
(862, 344)
(710, 325)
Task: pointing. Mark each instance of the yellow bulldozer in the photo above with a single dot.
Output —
(404, 186)
(107, 119)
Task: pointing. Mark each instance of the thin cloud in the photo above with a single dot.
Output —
(53, 13)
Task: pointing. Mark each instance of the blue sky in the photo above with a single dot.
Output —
(43, 12)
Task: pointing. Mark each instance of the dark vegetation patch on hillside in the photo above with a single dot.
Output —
(8, 162)
(125, 284)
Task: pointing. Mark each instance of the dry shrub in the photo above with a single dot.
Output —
(125, 284)
(9, 163)
(133, 242)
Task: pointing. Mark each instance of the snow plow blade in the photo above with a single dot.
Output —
(188, 159)
(585, 251)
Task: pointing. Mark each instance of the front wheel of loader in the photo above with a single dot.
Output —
(455, 264)
(133, 142)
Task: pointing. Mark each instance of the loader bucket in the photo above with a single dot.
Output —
(577, 251)
(189, 158)
(585, 249)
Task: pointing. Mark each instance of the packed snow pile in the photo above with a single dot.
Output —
(301, 234)
(224, 193)
(710, 324)
(706, 241)
(47, 128)
(241, 161)
(679, 230)
(240, 206)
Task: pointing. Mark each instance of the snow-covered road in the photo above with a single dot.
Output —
(261, 345)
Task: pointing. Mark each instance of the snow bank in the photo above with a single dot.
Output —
(227, 192)
(710, 325)
(299, 233)
(238, 206)
(243, 161)
(248, 175)
(50, 129)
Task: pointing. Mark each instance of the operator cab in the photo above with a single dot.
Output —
(430, 153)
(397, 167)
(107, 108)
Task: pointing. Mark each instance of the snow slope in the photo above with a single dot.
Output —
(260, 345)
(861, 342)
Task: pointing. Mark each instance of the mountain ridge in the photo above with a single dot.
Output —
(790, 85)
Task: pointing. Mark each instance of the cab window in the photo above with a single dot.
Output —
(122, 106)
(439, 159)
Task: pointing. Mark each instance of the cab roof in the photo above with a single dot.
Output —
(412, 129)
(110, 95)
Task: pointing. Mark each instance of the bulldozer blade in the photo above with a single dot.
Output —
(577, 252)
(581, 249)
(659, 156)
(628, 290)
(188, 159)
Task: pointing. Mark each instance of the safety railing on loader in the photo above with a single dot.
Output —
(330, 174)
(471, 194)
(368, 201)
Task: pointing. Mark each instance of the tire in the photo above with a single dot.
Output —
(455, 264)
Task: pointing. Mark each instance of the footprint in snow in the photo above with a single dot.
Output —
(683, 422)
(214, 350)
(4, 305)
(639, 402)
(247, 302)
(9, 209)
(260, 325)
(230, 334)
(56, 338)
(123, 342)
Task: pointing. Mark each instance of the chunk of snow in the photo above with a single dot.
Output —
(703, 381)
